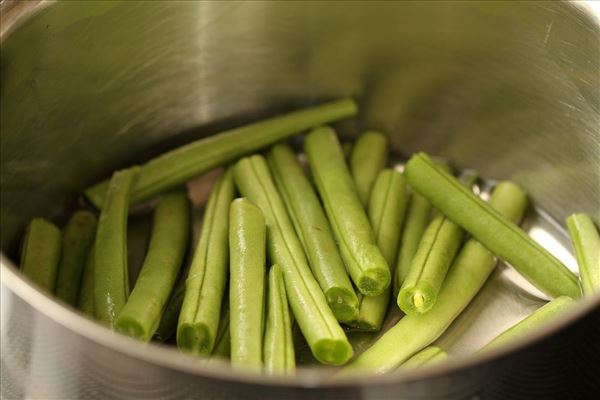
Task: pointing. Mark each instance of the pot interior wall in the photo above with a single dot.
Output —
(507, 88)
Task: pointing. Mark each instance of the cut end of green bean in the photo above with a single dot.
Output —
(131, 327)
(416, 300)
(332, 352)
(195, 339)
(343, 303)
(374, 281)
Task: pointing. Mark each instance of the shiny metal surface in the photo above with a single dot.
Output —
(507, 88)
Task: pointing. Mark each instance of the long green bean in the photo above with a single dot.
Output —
(141, 314)
(247, 243)
(536, 319)
(586, 242)
(494, 231)
(324, 335)
(428, 355)
(279, 345)
(78, 237)
(467, 275)
(429, 266)
(111, 283)
(179, 165)
(40, 254)
(386, 210)
(314, 232)
(364, 261)
(207, 278)
(415, 223)
(369, 156)
(85, 303)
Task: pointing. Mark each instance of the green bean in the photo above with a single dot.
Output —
(247, 243)
(222, 349)
(207, 278)
(429, 266)
(386, 213)
(78, 237)
(111, 282)
(536, 319)
(85, 303)
(364, 261)
(177, 166)
(324, 335)
(40, 255)
(586, 242)
(369, 156)
(141, 315)
(429, 355)
(417, 215)
(314, 232)
(278, 345)
(494, 231)
(467, 275)
(168, 321)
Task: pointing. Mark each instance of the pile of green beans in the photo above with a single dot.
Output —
(323, 246)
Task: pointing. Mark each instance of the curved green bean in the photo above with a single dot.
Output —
(40, 254)
(417, 215)
(586, 242)
(85, 303)
(467, 275)
(364, 261)
(386, 210)
(207, 278)
(278, 345)
(429, 266)
(369, 156)
(141, 314)
(180, 165)
(111, 282)
(428, 355)
(494, 231)
(324, 335)
(314, 232)
(247, 244)
(536, 319)
(78, 238)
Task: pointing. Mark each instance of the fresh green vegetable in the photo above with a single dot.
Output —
(168, 321)
(180, 165)
(417, 215)
(247, 243)
(207, 278)
(496, 232)
(586, 242)
(536, 319)
(386, 213)
(364, 261)
(86, 294)
(429, 266)
(279, 344)
(40, 255)
(467, 275)
(111, 282)
(369, 156)
(324, 335)
(429, 355)
(314, 232)
(141, 314)
(78, 238)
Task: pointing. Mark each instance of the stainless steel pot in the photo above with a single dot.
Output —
(508, 88)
